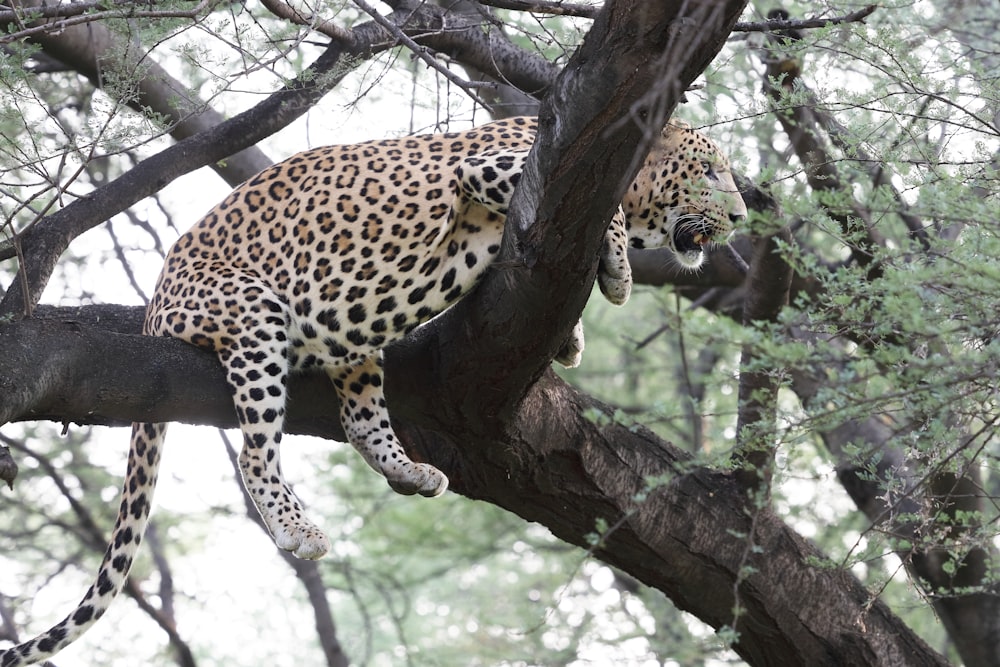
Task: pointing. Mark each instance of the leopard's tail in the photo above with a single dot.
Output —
(133, 514)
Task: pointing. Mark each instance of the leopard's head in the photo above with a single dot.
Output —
(684, 197)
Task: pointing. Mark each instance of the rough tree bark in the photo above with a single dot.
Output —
(472, 394)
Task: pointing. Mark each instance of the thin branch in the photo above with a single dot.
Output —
(47, 240)
(768, 285)
(421, 52)
(559, 8)
(839, 136)
(8, 630)
(98, 53)
(166, 588)
(783, 77)
(8, 467)
(556, 8)
(94, 538)
(800, 24)
(285, 11)
(19, 16)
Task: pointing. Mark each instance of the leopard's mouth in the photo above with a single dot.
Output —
(691, 238)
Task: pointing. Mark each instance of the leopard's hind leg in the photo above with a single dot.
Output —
(365, 419)
(255, 358)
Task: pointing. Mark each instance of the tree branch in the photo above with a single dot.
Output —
(72, 16)
(47, 240)
(969, 614)
(489, 51)
(555, 8)
(551, 464)
(783, 77)
(767, 290)
(285, 11)
(95, 539)
(404, 40)
(775, 25)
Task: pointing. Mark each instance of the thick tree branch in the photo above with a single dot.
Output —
(723, 268)
(617, 90)
(886, 488)
(550, 465)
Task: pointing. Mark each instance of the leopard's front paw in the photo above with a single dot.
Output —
(571, 353)
(615, 288)
(420, 478)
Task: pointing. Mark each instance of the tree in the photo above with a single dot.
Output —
(864, 324)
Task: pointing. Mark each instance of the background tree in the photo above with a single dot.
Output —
(857, 353)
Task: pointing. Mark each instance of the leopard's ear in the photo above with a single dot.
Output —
(675, 124)
(673, 133)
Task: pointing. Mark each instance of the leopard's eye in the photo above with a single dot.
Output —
(709, 169)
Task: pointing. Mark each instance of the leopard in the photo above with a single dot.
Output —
(320, 261)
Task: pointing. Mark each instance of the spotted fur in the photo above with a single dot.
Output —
(323, 259)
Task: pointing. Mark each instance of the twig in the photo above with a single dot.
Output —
(72, 17)
(285, 11)
(557, 8)
(799, 24)
(420, 52)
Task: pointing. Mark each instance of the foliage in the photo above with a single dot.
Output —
(886, 354)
